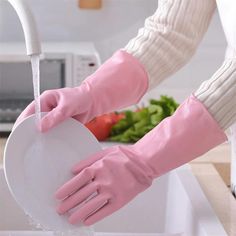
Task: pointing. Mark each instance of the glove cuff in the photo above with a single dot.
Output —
(178, 139)
(119, 82)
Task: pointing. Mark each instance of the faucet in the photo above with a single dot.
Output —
(33, 46)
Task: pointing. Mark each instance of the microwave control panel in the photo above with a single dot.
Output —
(84, 65)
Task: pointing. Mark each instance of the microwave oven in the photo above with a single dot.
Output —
(64, 64)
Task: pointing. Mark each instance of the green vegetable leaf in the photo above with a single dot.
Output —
(137, 123)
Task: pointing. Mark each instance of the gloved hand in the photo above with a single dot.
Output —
(113, 174)
(117, 174)
(120, 82)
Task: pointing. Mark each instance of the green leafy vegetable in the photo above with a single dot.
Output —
(137, 123)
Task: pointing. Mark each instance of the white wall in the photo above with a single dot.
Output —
(110, 28)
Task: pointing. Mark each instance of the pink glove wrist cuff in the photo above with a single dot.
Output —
(119, 82)
(178, 139)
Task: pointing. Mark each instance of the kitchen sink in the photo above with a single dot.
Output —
(175, 204)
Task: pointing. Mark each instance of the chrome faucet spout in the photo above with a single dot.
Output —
(27, 20)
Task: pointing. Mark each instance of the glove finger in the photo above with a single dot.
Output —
(52, 119)
(100, 214)
(47, 103)
(73, 185)
(89, 161)
(88, 208)
(77, 198)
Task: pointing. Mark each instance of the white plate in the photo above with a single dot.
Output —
(37, 164)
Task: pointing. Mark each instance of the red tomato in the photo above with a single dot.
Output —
(116, 116)
(101, 126)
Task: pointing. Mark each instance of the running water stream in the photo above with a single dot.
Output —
(35, 62)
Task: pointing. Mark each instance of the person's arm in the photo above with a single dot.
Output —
(120, 173)
(171, 36)
(116, 175)
(167, 41)
(218, 93)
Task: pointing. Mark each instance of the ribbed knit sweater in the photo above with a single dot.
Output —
(169, 39)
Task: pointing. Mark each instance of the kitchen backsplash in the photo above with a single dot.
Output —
(110, 28)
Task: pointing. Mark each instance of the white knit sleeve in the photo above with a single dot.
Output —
(170, 37)
(218, 94)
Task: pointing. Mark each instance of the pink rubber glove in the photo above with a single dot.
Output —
(119, 82)
(119, 173)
